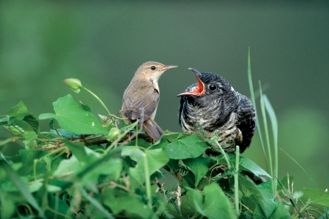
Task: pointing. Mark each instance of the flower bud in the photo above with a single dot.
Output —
(74, 84)
(113, 134)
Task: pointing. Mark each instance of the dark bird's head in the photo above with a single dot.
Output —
(209, 88)
(213, 105)
(209, 102)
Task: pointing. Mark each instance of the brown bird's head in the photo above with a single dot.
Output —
(152, 70)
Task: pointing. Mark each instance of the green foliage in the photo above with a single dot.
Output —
(87, 166)
(76, 118)
(59, 173)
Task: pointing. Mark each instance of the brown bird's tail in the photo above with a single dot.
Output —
(152, 129)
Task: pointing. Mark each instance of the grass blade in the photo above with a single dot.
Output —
(21, 186)
(273, 119)
(96, 204)
(266, 129)
(295, 162)
(274, 124)
(253, 99)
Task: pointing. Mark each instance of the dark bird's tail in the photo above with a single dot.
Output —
(152, 129)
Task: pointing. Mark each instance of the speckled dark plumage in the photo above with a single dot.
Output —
(222, 110)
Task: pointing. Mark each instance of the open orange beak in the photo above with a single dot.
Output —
(199, 89)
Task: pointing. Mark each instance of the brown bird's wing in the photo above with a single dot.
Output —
(140, 100)
(152, 129)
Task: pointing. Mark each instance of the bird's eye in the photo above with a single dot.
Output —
(153, 67)
(212, 86)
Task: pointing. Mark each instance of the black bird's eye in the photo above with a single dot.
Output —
(212, 86)
(153, 67)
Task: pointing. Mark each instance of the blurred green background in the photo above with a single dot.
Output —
(103, 42)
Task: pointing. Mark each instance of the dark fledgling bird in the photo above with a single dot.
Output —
(141, 97)
(212, 105)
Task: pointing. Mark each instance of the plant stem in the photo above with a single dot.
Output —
(101, 102)
(236, 180)
(224, 154)
(147, 182)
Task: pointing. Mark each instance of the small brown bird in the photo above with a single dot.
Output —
(141, 97)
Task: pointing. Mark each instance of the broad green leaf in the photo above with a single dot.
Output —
(258, 198)
(7, 206)
(32, 121)
(134, 153)
(156, 159)
(4, 120)
(19, 111)
(96, 204)
(68, 168)
(129, 204)
(73, 117)
(58, 203)
(251, 166)
(186, 147)
(35, 185)
(316, 196)
(110, 168)
(45, 116)
(197, 198)
(21, 186)
(216, 204)
(169, 180)
(281, 212)
(20, 125)
(72, 166)
(30, 138)
(78, 150)
(199, 168)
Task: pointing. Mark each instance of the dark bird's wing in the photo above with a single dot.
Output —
(246, 121)
(181, 108)
(140, 101)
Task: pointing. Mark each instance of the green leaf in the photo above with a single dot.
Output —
(134, 153)
(21, 186)
(7, 206)
(76, 162)
(199, 168)
(68, 168)
(78, 150)
(19, 111)
(281, 212)
(197, 198)
(156, 159)
(4, 120)
(45, 116)
(249, 165)
(96, 204)
(110, 168)
(186, 147)
(317, 197)
(258, 198)
(73, 117)
(216, 204)
(130, 204)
